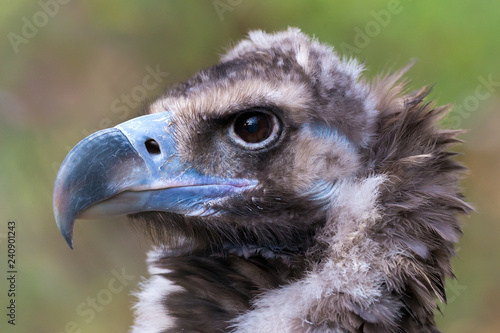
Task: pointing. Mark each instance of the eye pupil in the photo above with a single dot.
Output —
(253, 127)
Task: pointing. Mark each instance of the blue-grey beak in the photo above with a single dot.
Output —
(131, 168)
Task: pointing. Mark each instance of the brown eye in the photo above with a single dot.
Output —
(254, 129)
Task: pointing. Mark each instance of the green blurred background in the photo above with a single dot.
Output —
(66, 70)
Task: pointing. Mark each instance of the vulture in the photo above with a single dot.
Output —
(283, 191)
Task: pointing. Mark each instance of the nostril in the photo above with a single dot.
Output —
(152, 146)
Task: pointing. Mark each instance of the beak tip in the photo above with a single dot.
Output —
(69, 240)
(66, 230)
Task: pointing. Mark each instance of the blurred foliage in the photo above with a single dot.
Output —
(63, 81)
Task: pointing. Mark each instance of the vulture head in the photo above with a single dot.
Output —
(284, 193)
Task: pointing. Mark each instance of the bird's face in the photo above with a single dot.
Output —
(253, 139)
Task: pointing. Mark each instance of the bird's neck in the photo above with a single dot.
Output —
(210, 289)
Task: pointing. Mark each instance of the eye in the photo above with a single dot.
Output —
(254, 129)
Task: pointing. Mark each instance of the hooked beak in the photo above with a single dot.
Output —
(131, 168)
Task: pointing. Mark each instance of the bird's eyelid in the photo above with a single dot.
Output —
(264, 107)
